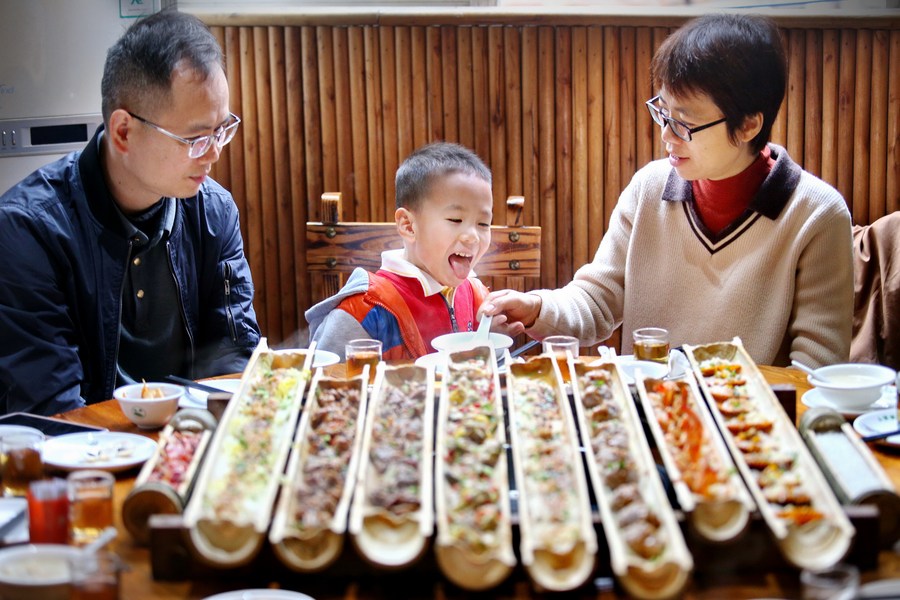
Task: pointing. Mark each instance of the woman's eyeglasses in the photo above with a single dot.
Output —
(680, 129)
(200, 145)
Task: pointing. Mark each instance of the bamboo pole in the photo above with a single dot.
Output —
(391, 157)
(328, 116)
(861, 132)
(343, 112)
(597, 140)
(564, 199)
(846, 110)
(794, 114)
(831, 55)
(812, 133)
(580, 195)
(878, 127)
(892, 179)
(435, 71)
(496, 98)
(367, 209)
(299, 213)
(256, 250)
(359, 125)
(281, 204)
(612, 97)
(545, 79)
(481, 120)
(465, 100)
(419, 76)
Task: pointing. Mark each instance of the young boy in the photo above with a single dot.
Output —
(427, 288)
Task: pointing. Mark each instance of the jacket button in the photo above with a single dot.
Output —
(140, 293)
(137, 261)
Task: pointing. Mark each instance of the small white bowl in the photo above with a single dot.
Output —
(36, 571)
(149, 413)
(851, 386)
(466, 340)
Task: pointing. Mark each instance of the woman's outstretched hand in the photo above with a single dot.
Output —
(513, 311)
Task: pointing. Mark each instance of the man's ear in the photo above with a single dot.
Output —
(406, 224)
(119, 131)
(752, 125)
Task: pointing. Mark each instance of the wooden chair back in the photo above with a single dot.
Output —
(334, 248)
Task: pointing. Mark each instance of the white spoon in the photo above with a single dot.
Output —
(483, 333)
(809, 371)
(105, 537)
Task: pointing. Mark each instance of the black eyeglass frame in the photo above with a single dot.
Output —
(220, 137)
(674, 124)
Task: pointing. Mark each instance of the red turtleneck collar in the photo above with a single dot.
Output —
(720, 203)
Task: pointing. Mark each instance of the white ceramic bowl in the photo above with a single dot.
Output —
(465, 340)
(149, 413)
(35, 571)
(851, 386)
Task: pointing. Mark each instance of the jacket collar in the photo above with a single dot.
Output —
(769, 201)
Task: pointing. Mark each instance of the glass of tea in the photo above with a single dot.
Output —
(651, 343)
(95, 575)
(360, 353)
(560, 347)
(90, 505)
(21, 461)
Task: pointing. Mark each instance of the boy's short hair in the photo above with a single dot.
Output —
(738, 60)
(439, 159)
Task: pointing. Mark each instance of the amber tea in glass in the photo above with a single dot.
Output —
(22, 462)
(360, 353)
(90, 505)
(559, 347)
(651, 343)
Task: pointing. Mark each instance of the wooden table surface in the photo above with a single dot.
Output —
(423, 581)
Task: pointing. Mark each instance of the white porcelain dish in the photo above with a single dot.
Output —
(260, 594)
(814, 398)
(324, 358)
(878, 421)
(437, 360)
(466, 340)
(10, 429)
(194, 398)
(852, 386)
(629, 366)
(107, 451)
(35, 571)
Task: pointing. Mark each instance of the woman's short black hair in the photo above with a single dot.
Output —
(738, 60)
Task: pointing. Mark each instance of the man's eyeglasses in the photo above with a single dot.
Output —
(200, 145)
(678, 128)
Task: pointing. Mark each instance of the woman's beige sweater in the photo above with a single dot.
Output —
(780, 277)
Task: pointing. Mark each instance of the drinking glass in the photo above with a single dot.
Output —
(48, 511)
(651, 343)
(21, 461)
(360, 353)
(840, 582)
(95, 576)
(559, 347)
(90, 505)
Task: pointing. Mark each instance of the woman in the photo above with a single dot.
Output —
(725, 237)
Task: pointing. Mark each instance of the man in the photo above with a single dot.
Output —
(124, 261)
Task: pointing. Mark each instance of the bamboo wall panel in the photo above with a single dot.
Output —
(556, 111)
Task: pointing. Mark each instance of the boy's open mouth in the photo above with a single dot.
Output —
(461, 264)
